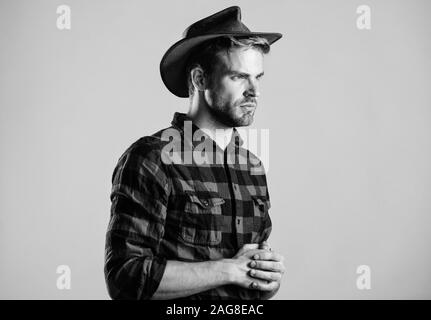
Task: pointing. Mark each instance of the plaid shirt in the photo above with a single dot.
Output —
(182, 211)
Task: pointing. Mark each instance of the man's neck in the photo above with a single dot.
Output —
(218, 132)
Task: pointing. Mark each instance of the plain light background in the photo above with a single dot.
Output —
(349, 119)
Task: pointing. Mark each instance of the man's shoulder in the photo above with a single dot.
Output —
(143, 158)
(149, 147)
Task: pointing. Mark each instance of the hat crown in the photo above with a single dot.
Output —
(225, 21)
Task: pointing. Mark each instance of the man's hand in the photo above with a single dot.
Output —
(268, 266)
(257, 267)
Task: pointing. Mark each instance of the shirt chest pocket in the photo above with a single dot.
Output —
(200, 220)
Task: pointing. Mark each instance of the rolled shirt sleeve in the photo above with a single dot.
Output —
(267, 222)
(266, 227)
(140, 192)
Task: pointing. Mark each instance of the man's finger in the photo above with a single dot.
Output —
(264, 285)
(250, 246)
(255, 253)
(274, 266)
(265, 275)
(268, 255)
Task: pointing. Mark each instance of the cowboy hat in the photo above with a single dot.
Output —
(224, 23)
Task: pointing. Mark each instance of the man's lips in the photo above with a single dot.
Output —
(248, 105)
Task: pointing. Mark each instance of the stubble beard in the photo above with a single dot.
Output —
(227, 115)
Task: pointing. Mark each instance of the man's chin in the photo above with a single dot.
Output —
(243, 122)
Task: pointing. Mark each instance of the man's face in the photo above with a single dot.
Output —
(232, 92)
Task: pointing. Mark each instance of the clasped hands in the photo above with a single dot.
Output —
(256, 266)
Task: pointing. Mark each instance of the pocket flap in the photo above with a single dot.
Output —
(262, 202)
(206, 202)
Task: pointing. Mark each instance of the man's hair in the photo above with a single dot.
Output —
(205, 55)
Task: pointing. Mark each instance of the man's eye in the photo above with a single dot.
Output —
(236, 77)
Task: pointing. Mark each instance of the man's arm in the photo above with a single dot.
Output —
(140, 190)
(182, 279)
(196, 277)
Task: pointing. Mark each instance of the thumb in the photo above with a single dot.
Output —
(265, 245)
(247, 247)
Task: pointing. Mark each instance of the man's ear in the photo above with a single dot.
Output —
(198, 78)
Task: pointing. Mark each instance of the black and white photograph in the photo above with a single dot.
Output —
(215, 150)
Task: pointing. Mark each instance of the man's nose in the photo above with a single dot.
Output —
(252, 89)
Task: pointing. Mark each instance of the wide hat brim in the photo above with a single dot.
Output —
(173, 64)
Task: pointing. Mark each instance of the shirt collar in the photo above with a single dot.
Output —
(178, 122)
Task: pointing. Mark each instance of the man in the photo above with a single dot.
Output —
(189, 222)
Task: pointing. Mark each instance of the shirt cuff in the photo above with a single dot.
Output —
(158, 266)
